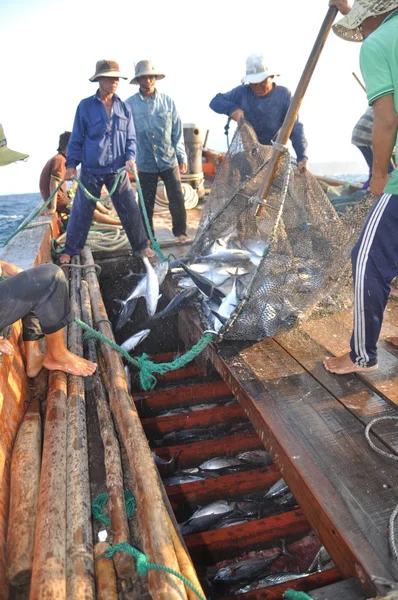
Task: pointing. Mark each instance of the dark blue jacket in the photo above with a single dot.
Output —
(100, 144)
(265, 113)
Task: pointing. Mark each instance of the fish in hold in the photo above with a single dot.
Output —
(205, 285)
(125, 313)
(246, 570)
(207, 517)
(192, 435)
(180, 301)
(135, 339)
(220, 462)
(180, 479)
(278, 489)
(271, 579)
(152, 288)
(259, 458)
(159, 461)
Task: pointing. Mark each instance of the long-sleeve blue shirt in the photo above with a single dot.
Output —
(265, 113)
(101, 144)
(160, 141)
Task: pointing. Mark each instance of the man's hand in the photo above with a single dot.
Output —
(342, 5)
(8, 269)
(70, 174)
(130, 166)
(302, 166)
(45, 213)
(6, 347)
(237, 115)
(183, 168)
(377, 184)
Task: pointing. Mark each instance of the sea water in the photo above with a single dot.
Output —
(13, 210)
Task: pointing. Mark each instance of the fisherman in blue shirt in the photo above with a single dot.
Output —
(160, 145)
(103, 141)
(264, 105)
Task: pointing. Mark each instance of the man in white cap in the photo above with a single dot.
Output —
(103, 141)
(264, 105)
(375, 256)
(40, 297)
(160, 145)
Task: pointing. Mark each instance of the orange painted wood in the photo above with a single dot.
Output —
(183, 373)
(196, 452)
(158, 426)
(218, 544)
(199, 493)
(184, 395)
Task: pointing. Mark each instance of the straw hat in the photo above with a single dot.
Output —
(145, 67)
(107, 68)
(256, 69)
(8, 156)
(349, 28)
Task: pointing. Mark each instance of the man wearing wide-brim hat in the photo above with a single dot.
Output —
(375, 256)
(264, 105)
(160, 145)
(103, 141)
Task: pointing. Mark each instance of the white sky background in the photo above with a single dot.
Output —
(49, 49)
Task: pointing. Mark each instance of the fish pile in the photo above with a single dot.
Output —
(185, 410)
(186, 436)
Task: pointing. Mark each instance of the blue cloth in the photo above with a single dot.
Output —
(160, 141)
(265, 113)
(82, 211)
(100, 144)
(374, 265)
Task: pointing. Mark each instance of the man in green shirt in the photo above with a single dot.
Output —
(375, 256)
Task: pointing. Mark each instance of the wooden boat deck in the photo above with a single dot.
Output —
(313, 424)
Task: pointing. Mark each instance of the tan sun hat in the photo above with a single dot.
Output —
(8, 156)
(145, 67)
(257, 70)
(349, 28)
(107, 68)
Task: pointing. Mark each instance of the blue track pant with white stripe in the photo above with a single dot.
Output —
(374, 266)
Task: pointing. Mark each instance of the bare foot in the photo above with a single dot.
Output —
(70, 363)
(342, 365)
(183, 238)
(64, 259)
(392, 340)
(34, 358)
(148, 253)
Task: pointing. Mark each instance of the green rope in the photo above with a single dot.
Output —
(293, 595)
(34, 214)
(3, 277)
(97, 506)
(111, 191)
(54, 249)
(147, 367)
(143, 565)
(155, 244)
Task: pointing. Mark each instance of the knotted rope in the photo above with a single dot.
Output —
(97, 506)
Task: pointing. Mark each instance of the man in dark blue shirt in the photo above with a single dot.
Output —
(103, 141)
(264, 105)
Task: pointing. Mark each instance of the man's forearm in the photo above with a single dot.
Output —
(383, 140)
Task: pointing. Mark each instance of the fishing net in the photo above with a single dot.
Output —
(305, 260)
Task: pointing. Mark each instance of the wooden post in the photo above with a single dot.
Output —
(124, 563)
(24, 496)
(48, 575)
(105, 576)
(79, 543)
(291, 116)
(157, 539)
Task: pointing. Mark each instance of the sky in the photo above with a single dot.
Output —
(50, 47)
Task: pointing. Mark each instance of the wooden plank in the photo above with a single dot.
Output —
(349, 589)
(212, 546)
(304, 585)
(334, 334)
(191, 455)
(312, 438)
(199, 493)
(354, 394)
(158, 426)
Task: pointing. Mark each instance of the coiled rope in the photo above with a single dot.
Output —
(97, 506)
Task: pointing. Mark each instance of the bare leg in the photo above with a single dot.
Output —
(59, 357)
(34, 358)
(343, 365)
(392, 340)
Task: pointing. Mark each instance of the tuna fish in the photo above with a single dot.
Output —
(135, 339)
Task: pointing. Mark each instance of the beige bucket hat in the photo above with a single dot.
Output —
(257, 70)
(349, 28)
(8, 156)
(107, 68)
(145, 67)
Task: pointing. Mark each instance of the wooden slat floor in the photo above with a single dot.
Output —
(313, 423)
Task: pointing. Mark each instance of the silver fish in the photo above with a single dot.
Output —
(182, 478)
(278, 489)
(127, 370)
(256, 246)
(245, 570)
(135, 339)
(152, 288)
(227, 255)
(231, 522)
(140, 290)
(207, 517)
(220, 462)
(260, 458)
(271, 579)
(227, 307)
(219, 507)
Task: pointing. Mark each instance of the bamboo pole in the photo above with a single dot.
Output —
(24, 496)
(157, 539)
(124, 563)
(48, 574)
(79, 543)
(291, 116)
(105, 576)
(359, 81)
